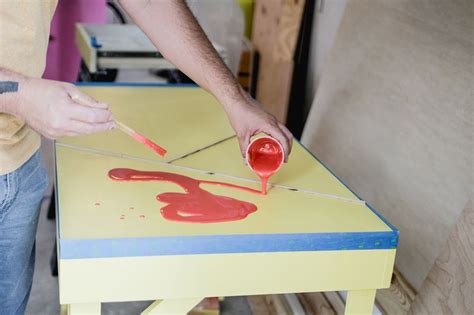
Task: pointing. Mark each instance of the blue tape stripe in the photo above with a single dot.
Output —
(136, 84)
(390, 225)
(225, 244)
(95, 43)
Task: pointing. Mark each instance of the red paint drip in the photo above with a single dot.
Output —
(265, 156)
(155, 147)
(196, 204)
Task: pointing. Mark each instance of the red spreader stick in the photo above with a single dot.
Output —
(140, 138)
(129, 131)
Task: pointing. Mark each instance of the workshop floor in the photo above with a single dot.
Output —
(44, 298)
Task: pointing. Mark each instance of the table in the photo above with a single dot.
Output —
(310, 233)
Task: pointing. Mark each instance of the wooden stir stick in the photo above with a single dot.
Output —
(129, 131)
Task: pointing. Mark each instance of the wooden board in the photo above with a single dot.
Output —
(274, 85)
(275, 33)
(316, 304)
(392, 117)
(398, 298)
(309, 303)
(336, 302)
(246, 71)
(276, 27)
(449, 287)
(277, 304)
(258, 305)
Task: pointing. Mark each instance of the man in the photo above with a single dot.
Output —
(30, 105)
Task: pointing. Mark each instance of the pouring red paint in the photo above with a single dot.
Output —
(265, 156)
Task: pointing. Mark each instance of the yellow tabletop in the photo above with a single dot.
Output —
(105, 225)
(181, 120)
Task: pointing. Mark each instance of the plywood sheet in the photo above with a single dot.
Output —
(302, 171)
(276, 28)
(393, 117)
(275, 34)
(157, 113)
(449, 286)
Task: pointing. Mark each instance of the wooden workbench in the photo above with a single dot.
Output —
(310, 233)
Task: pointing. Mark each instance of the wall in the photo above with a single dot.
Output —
(393, 117)
(326, 20)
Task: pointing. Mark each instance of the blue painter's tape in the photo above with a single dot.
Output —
(136, 84)
(225, 244)
(390, 225)
(95, 43)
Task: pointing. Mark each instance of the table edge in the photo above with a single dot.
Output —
(225, 244)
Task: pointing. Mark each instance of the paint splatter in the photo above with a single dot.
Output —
(196, 204)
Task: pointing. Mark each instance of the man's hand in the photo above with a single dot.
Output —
(48, 107)
(248, 118)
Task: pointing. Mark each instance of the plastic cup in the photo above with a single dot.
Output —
(265, 156)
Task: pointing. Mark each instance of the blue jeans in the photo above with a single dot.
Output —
(21, 192)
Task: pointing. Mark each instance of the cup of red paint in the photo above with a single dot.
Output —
(265, 156)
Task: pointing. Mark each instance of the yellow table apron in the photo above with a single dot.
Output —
(310, 233)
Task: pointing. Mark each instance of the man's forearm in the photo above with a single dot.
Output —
(175, 32)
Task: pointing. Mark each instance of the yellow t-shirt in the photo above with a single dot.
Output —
(24, 35)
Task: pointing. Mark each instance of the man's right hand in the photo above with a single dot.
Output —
(48, 107)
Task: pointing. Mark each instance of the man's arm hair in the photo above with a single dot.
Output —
(173, 29)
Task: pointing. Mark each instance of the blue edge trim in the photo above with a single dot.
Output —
(225, 244)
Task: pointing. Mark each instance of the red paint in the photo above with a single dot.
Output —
(265, 157)
(196, 204)
(155, 147)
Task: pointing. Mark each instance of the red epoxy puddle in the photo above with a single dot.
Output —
(196, 204)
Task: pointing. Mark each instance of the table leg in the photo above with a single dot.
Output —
(172, 307)
(360, 302)
(83, 309)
